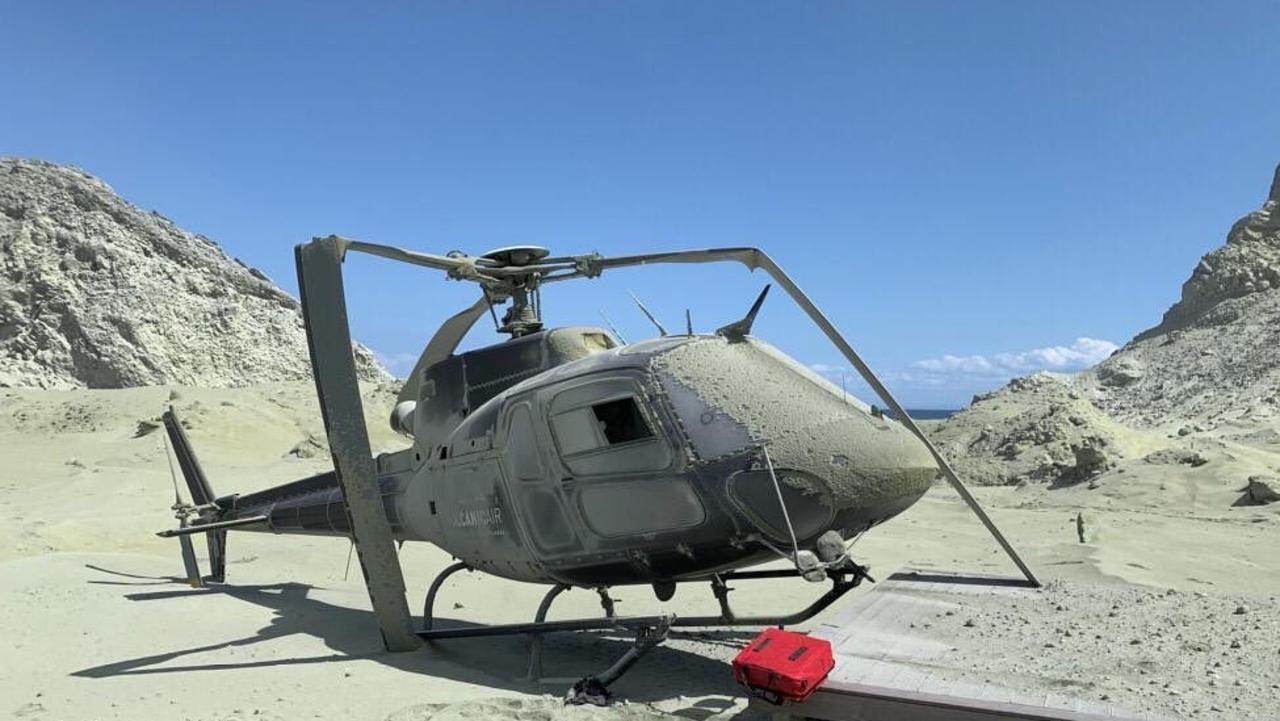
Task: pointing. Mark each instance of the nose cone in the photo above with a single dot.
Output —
(751, 394)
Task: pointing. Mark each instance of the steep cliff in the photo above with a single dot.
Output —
(97, 293)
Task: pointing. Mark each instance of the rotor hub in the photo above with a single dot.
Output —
(517, 255)
(524, 315)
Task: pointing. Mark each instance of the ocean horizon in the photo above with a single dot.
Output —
(932, 414)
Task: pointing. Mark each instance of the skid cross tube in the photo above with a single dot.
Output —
(540, 627)
(428, 607)
(839, 587)
(540, 618)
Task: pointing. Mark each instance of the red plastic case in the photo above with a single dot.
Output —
(780, 666)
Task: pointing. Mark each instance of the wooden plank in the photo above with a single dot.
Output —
(861, 672)
(889, 670)
(870, 703)
(880, 668)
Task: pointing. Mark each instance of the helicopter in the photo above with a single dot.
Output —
(566, 457)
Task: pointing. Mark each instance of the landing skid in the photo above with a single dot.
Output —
(649, 630)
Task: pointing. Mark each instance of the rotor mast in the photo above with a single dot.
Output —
(525, 314)
(523, 317)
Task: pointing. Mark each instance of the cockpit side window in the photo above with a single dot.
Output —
(576, 431)
(604, 427)
(609, 423)
(621, 421)
(522, 443)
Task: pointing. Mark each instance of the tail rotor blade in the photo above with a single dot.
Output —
(189, 561)
(197, 486)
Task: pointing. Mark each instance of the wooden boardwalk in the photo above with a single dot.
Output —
(888, 669)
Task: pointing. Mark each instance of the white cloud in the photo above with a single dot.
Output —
(1083, 353)
(826, 368)
(975, 364)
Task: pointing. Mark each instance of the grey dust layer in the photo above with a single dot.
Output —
(97, 293)
(1165, 653)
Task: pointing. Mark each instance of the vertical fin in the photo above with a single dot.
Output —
(201, 494)
(197, 483)
(739, 329)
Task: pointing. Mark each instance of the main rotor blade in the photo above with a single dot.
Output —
(442, 345)
(461, 267)
(755, 258)
(749, 257)
(590, 266)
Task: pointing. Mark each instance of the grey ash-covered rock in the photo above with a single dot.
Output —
(1211, 366)
(1260, 491)
(97, 293)
(1248, 263)
(1214, 356)
(1036, 429)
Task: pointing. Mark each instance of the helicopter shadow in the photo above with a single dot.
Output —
(665, 673)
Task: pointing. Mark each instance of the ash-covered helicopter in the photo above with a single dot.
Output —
(564, 457)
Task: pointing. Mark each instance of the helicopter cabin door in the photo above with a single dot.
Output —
(618, 464)
(532, 485)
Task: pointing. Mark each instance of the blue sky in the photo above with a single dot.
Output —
(967, 188)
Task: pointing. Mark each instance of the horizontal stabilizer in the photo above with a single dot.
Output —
(215, 526)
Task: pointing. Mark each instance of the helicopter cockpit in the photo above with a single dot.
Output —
(451, 389)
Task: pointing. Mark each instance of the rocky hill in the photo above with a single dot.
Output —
(1215, 356)
(97, 293)
(1201, 389)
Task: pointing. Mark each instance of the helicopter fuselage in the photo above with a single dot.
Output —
(596, 464)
